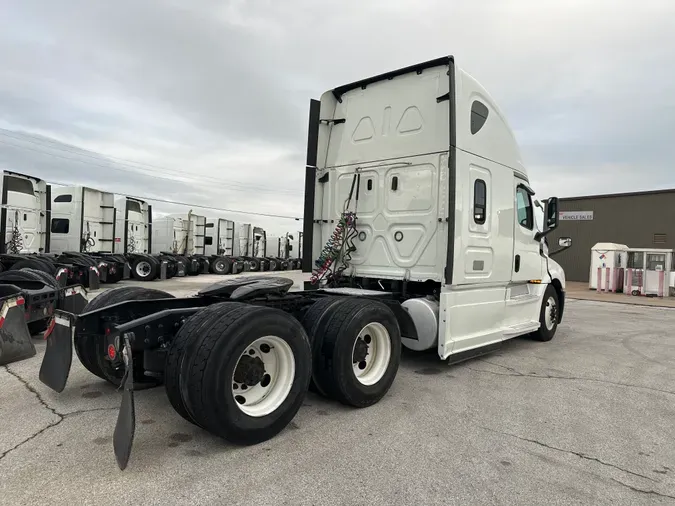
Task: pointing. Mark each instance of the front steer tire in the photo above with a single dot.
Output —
(220, 336)
(549, 306)
(91, 349)
(335, 340)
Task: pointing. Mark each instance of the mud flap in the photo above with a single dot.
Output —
(127, 271)
(15, 342)
(102, 272)
(58, 357)
(162, 269)
(206, 267)
(181, 269)
(123, 437)
(62, 277)
(94, 279)
(74, 300)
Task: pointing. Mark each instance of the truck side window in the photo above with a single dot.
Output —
(479, 201)
(479, 115)
(208, 240)
(524, 203)
(64, 198)
(60, 226)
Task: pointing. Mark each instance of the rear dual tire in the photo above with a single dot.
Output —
(145, 268)
(239, 371)
(221, 265)
(356, 347)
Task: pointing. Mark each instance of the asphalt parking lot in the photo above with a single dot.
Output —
(588, 419)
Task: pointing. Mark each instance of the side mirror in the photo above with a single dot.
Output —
(290, 236)
(564, 243)
(550, 218)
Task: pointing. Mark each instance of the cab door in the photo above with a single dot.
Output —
(527, 262)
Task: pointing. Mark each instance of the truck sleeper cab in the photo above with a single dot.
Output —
(442, 205)
(418, 231)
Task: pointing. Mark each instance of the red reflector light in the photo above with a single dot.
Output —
(50, 329)
(2, 321)
(107, 331)
(20, 301)
(111, 352)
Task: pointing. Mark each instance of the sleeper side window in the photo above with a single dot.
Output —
(60, 226)
(524, 207)
(479, 201)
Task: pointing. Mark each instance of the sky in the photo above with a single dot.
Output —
(206, 102)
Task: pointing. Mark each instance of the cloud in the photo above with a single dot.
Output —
(219, 89)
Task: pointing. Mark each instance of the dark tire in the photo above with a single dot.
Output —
(30, 275)
(192, 327)
(314, 322)
(550, 305)
(30, 263)
(334, 371)
(48, 279)
(47, 265)
(144, 269)
(253, 265)
(90, 349)
(212, 356)
(221, 265)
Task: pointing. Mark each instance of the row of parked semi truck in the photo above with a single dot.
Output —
(87, 236)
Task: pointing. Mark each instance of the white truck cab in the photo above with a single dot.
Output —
(133, 228)
(417, 177)
(24, 214)
(82, 219)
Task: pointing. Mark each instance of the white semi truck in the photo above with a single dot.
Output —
(418, 231)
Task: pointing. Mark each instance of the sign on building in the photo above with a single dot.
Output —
(575, 215)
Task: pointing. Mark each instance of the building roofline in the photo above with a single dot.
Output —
(612, 195)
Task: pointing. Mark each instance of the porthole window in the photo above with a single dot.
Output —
(479, 115)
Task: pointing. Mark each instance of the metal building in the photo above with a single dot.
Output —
(638, 220)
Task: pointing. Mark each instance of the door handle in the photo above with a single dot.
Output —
(517, 263)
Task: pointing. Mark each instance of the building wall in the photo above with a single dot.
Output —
(638, 220)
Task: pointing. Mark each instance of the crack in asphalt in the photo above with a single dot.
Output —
(33, 391)
(516, 373)
(44, 404)
(643, 491)
(593, 459)
(60, 416)
(572, 452)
